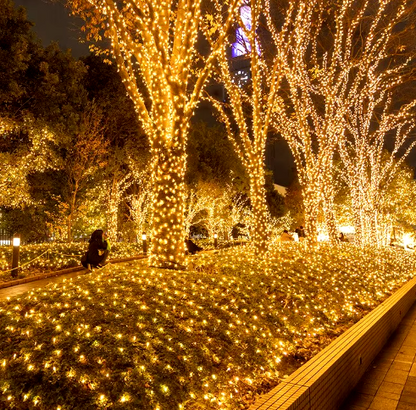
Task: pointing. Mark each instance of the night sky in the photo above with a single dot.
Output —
(53, 23)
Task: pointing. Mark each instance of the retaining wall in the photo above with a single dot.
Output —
(325, 381)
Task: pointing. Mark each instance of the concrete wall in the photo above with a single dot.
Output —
(325, 381)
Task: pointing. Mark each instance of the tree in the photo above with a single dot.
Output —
(248, 116)
(82, 160)
(40, 104)
(138, 203)
(400, 197)
(155, 47)
(374, 118)
(307, 112)
(294, 203)
(334, 53)
(196, 203)
(34, 155)
(122, 132)
(16, 46)
(119, 179)
(211, 157)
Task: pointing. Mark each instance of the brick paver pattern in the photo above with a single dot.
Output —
(390, 382)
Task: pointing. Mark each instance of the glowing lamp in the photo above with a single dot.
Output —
(408, 242)
(323, 237)
(15, 256)
(144, 237)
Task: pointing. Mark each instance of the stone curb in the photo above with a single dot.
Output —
(324, 382)
(61, 272)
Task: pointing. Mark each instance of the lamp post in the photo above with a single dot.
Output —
(144, 243)
(215, 240)
(16, 256)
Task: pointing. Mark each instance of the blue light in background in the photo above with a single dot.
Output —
(242, 45)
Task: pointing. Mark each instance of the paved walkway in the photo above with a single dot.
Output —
(19, 289)
(390, 382)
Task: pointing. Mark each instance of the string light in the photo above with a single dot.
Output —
(154, 46)
(14, 168)
(250, 134)
(335, 88)
(132, 335)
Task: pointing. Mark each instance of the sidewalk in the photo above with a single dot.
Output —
(390, 382)
(54, 277)
(19, 289)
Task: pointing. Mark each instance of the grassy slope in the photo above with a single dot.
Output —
(134, 337)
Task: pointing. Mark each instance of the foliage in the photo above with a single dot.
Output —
(133, 337)
(275, 200)
(211, 157)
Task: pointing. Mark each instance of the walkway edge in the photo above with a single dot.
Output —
(324, 382)
(61, 272)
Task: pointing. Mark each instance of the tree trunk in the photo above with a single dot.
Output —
(69, 228)
(112, 212)
(311, 203)
(112, 222)
(168, 221)
(260, 210)
(330, 223)
(358, 226)
(72, 209)
(329, 214)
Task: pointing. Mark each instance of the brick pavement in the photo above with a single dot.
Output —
(390, 382)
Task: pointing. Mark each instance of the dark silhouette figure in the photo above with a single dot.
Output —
(301, 232)
(192, 247)
(98, 250)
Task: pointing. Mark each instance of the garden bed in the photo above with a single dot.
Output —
(36, 259)
(213, 337)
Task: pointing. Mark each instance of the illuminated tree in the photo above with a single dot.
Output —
(84, 156)
(248, 116)
(335, 56)
(370, 170)
(116, 188)
(375, 117)
(139, 201)
(237, 211)
(155, 46)
(400, 198)
(308, 114)
(123, 132)
(196, 203)
(36, 155)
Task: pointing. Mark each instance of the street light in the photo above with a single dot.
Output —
(16, 255)
(144, 243)
(215, 240)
